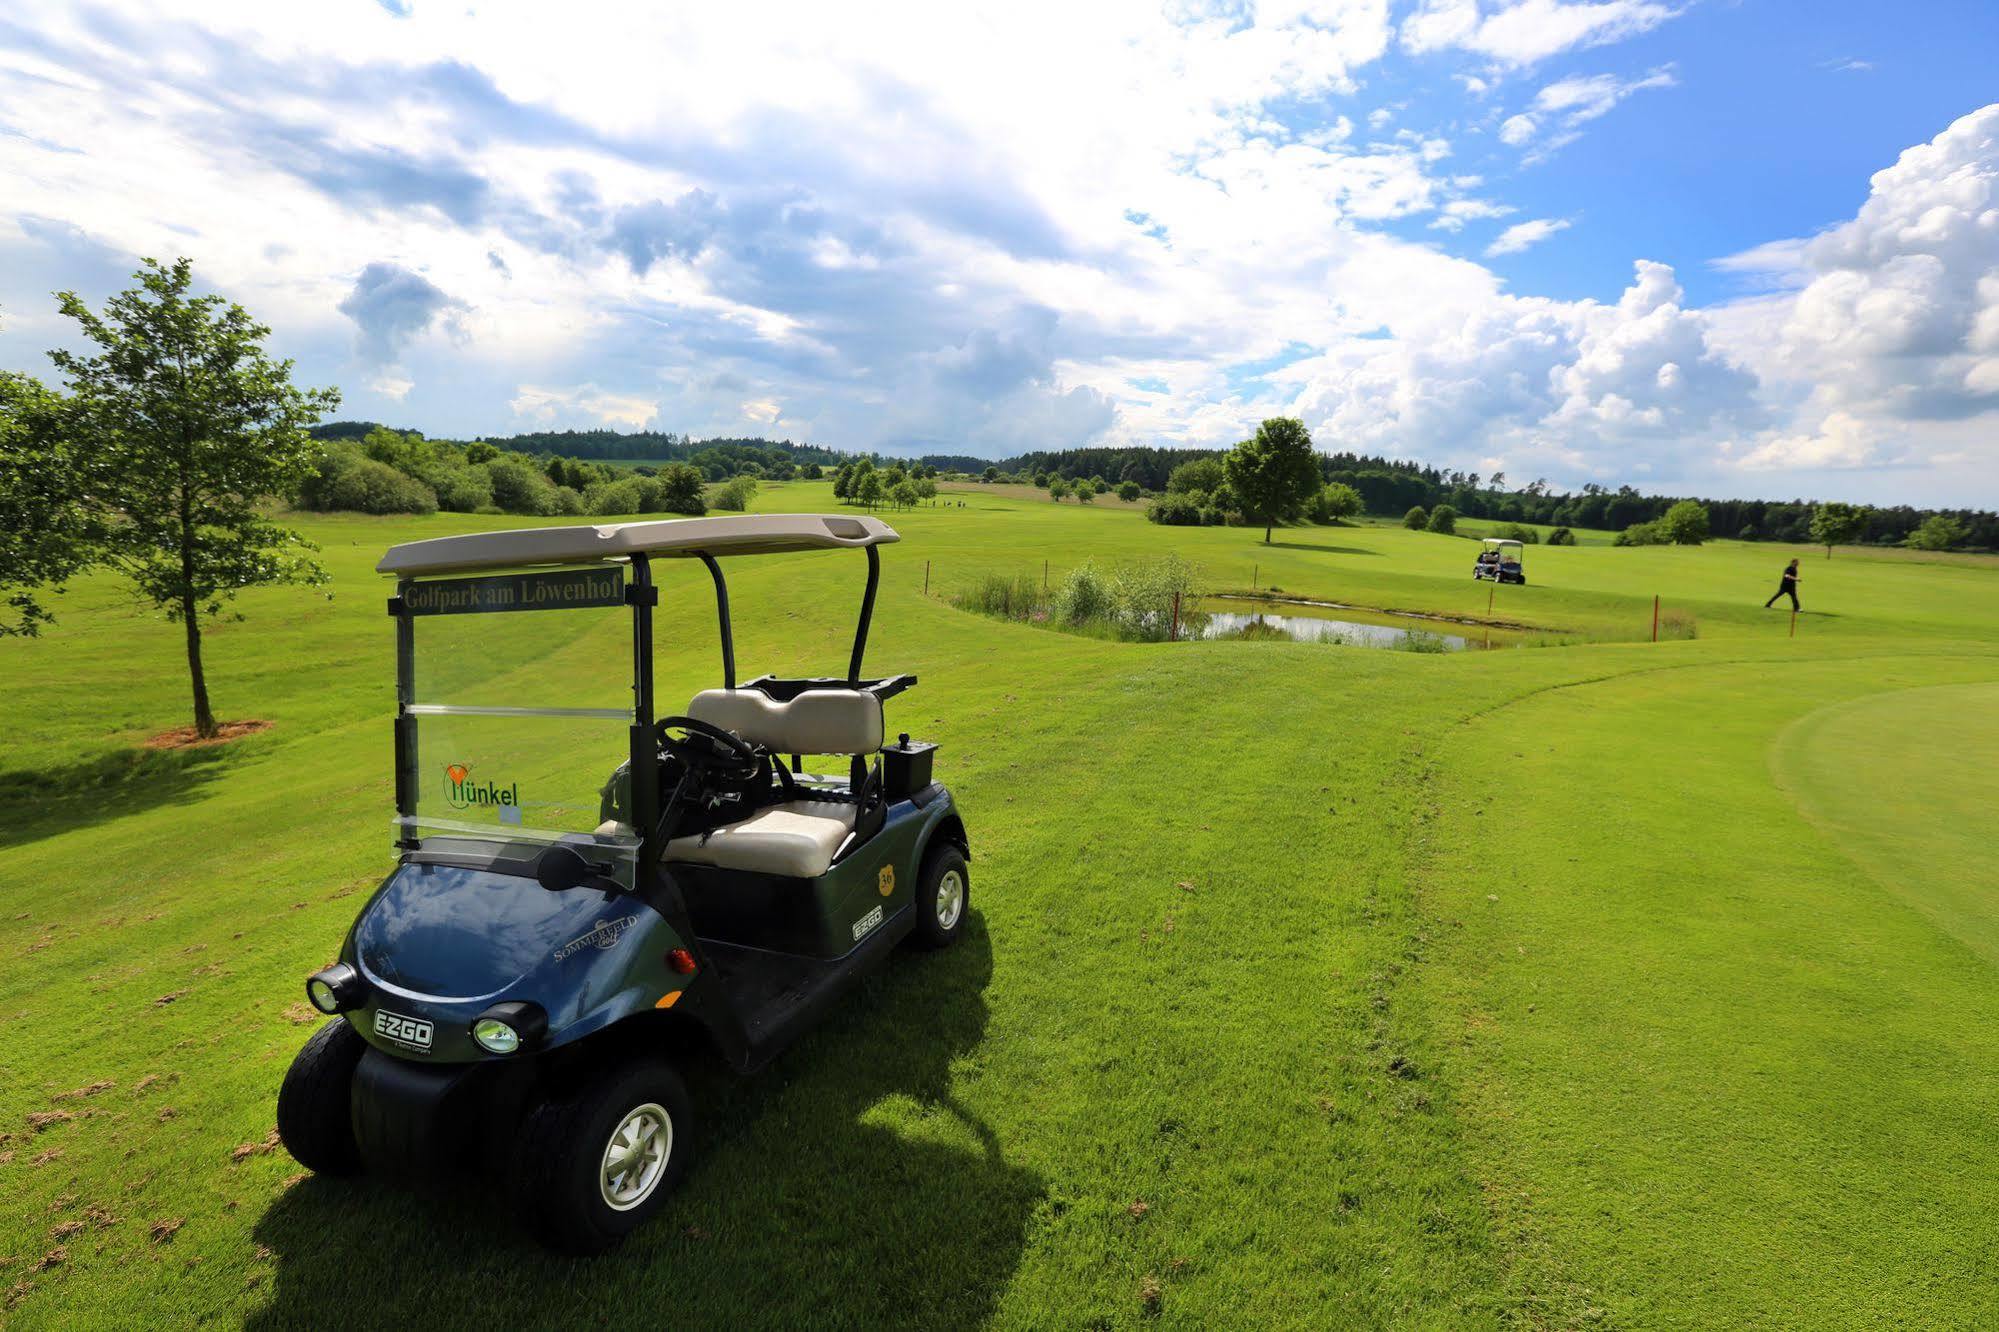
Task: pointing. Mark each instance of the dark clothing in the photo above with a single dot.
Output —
(1787, 588)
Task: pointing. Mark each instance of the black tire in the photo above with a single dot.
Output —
(935, 927)
(556, 1179)
(315, 1101)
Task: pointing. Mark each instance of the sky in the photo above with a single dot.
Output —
(1736, 249)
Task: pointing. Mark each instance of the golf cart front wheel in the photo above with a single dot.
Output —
(594, 1164)
(943, 898)
(315, 1101)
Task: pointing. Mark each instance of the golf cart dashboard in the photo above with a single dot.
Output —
(785, 690)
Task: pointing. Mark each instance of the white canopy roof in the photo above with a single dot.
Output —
(1504, 541)
(734, 534)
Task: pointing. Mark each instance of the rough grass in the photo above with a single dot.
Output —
(1304, 988)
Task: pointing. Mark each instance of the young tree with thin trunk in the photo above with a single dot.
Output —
(194, 428)
(1836, 524)
(1275, 473)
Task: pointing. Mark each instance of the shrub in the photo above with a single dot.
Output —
(1421, 640)
(1561, 536)
(1642, 534)
(1677, 624)
(679, 491)
(1057, 488)
(1443, 519)
(1214, 517)
(1086, 491)
(611, 497)
(1417, 518)
(1129, 491)
(735, 495)
(519, 487)
(1520, 532)
(1143, 595)
(1085, 595)
(467, 490)
(367, 486)
(1174, 510)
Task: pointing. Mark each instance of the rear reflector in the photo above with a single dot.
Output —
(681, 961)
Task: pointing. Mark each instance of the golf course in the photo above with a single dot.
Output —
(1588, 982)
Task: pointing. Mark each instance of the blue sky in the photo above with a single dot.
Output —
(1747, 248)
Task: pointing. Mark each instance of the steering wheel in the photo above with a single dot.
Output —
(708, 749)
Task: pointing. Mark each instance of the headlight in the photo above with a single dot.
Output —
(335, 989)
(509, 1027)
(495, 1036)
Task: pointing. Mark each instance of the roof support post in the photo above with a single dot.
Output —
(867, 614)
(728, 631)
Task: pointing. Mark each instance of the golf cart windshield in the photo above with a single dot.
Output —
(518, 699)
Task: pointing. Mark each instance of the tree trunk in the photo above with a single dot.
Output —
(204, 718)
(1266, 533)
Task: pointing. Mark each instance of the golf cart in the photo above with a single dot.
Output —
(1500, 561)
(587, 895)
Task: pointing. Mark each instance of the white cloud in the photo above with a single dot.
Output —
(1568, 104)
(392, 385)
(547, 405)
(1528, 31)
(1453, 215)
(1521, 235)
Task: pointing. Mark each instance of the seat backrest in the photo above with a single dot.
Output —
(818, 721)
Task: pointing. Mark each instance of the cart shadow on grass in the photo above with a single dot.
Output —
(806, 1207)
(41, 802)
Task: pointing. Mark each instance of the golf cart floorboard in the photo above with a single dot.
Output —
(778, 993)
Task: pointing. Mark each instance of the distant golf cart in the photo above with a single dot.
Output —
(552, 943)
(1500, 561)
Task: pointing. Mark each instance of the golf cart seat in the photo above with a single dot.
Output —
(817, 721)
(797, 839)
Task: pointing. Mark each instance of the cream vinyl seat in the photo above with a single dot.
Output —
(798, 838)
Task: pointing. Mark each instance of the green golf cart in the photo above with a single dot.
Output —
(588, 895)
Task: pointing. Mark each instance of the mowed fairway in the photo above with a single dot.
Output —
(1614, 984)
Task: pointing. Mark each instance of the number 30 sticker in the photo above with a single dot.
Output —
(887, 881)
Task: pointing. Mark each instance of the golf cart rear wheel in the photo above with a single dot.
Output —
(315, 1101)
(594, 1164)
(943, 898)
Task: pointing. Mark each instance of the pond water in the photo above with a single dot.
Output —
(1229, 616)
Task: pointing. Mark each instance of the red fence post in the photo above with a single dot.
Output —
(926, 578)
(1173, 630)
(1655, 617)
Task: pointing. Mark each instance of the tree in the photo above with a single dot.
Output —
(1561, 536)
(196, 427)
(1336, 502)
(1057, 488)
(1274, 472)
(1939, 531)
(680, 490)
(736, 494)
(904, 495)
(990, 475)
(1129, 491)
(1086, 491)
(1685, 524)
(867, 487)
(1202, 474)
(1416, 519)
(1836, 524)
(49, 530)
(1443, 519)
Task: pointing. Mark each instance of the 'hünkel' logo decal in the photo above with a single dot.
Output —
(461, 792)
(603, 936)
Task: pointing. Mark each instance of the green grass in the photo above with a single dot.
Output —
(1604, 985)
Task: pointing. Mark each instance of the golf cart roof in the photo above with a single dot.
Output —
(1490, 541)
(735, 534)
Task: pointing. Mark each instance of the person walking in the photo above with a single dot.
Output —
(1787, 588)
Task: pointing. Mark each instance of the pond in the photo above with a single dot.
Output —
(1231, 617)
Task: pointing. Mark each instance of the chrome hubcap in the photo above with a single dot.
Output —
(635, 1158)
(950, 898)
